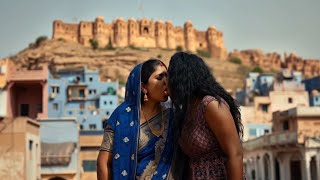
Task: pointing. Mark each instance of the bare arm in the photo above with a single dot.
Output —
(221, 122)
(104, 165)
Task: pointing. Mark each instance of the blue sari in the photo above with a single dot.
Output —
(128, 160)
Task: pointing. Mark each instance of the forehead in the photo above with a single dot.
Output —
(159, 69)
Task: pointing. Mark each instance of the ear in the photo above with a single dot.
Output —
(144, 88)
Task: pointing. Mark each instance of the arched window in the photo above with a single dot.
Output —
(146, 30)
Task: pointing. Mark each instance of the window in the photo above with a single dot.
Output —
(55, 89)
(81, 106)
(55, 106)
(70, 113)
(90, 79)
(285, 125)
(107, 113)
(89, 165)
(92, 126)
(264, 108)
(81, 126)
(316, 98)
(30, 149)
(92, 91)
(266, 131)
(30, 145)
(252, 132)
(289, 100)
(253, 174)
(110, 102)
(81, 92)
(105, 102)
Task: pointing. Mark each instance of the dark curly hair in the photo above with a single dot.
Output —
(190, 79)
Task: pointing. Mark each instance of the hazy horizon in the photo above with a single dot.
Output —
(272, 26)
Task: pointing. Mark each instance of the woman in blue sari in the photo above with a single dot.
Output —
(138, 140)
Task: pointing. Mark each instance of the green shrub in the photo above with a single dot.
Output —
(179, 48)
(257, 69)
(94, 43)
(61, 39)
(40, 39)
(203, 53)
(109, 46)
(235, 60)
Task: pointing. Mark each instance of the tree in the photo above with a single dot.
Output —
(235, 60)
(109, 45)
(94, 43)
(257, 69)
(179, 48)
(203, 53)
(40, 39)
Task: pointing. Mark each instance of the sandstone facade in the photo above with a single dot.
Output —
(309, 67)
(143, 33)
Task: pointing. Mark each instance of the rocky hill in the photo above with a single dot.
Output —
(113, 63)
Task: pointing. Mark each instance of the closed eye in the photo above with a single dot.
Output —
(162, 75)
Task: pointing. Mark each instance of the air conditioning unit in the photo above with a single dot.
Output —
(52, 95)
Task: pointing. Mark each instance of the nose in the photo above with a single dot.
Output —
(165, 79)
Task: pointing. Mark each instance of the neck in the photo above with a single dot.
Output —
(150, 107)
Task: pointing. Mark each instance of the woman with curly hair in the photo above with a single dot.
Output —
(208, 122)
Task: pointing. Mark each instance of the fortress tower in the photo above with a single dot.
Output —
(189, 37)
(143, 33)
(120, 29)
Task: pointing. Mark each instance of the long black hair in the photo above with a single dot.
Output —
(148, 67)
(190, 79)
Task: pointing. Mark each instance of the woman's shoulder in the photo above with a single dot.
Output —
(209, 98)
(125, 106)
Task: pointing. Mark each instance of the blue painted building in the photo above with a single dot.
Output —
(289, 76)
(256, 84)
(264, 84)
(313, 87)
(79, 93)
(257, 129)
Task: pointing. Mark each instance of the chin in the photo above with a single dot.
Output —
(165, 99)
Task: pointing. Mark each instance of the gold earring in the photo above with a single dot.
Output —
(145, 97)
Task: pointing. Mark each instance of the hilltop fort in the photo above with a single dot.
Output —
(142, 33)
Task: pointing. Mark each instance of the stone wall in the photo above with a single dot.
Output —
(142, 33)
(274, 61)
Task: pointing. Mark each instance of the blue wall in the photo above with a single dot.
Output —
(99, 102)
(256, 129)
(313, 84)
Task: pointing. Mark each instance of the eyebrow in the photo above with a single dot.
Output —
(163, 73)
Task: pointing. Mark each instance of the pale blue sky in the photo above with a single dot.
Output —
(271, 25)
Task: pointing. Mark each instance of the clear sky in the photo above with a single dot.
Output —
(271, 25)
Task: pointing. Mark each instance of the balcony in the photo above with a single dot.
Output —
(272, 140)
(77, 92)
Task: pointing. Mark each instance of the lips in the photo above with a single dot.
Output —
(165, 92)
